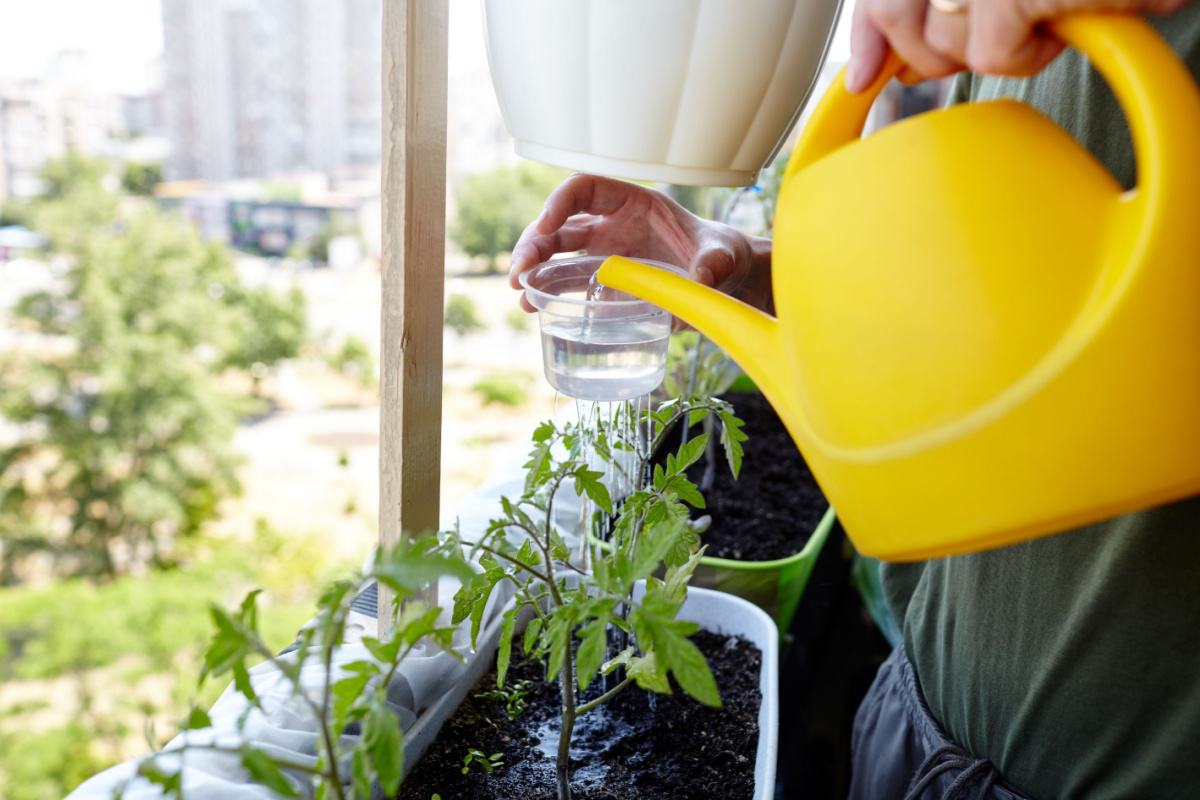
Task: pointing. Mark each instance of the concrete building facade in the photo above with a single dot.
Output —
(261, 87)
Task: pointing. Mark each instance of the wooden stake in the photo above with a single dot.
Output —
(414, 249)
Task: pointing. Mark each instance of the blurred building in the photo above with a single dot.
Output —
(47, 117)
(260, 87)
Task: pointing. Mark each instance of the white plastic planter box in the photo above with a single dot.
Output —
(699, 92)
(717, 612)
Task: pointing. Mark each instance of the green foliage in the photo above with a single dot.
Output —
(510, 700)
(461, 315)
(47, 764)
(357, 694)
(62, 176)
(503, 389)
(696, 199)
(354, 359)
(649, 534)
(488, 763)
(518, 320)
(715, 372)
(770, 182)
(128, 436)
(132, 634)
(140, 179)
(494, 207)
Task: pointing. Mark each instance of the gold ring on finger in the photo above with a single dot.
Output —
(949, 6)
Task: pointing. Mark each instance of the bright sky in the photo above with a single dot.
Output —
(121, 36)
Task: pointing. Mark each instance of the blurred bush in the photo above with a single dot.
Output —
(494, 207)
(92, 664)
(503, 389)
(125, 435)
(140, 179)
(354, 360)
(461, 315)
(519, 320)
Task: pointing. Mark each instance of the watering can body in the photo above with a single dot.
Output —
(981, 338)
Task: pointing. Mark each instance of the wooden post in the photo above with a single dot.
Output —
(414, 249)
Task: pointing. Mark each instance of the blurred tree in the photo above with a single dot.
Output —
(140, 179)
(72, 172)
(494, 207)
(696, 199)
(126, 437)
(462, 316)
(354, 359)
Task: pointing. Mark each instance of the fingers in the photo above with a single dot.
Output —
(584, 194)
(947, 34)
(533, 247)
(714, 266)
(868, 51)
(1004, 38)
(900, 23)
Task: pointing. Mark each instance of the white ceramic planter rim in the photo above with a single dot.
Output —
(716, 612)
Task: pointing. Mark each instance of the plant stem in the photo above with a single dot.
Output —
(566, 682)
(604, 698)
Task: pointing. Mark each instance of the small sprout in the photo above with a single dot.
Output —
(511, 700)
(489, 763)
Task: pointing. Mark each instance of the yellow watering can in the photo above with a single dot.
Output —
(981, 338)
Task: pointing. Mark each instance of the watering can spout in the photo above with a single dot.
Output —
(751, 337)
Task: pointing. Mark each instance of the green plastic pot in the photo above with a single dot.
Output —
(774, 586)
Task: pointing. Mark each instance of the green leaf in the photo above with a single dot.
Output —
(531, 634)
(345, 693)
(414, 564)
(264, 770)
(594, 646)
(664, 525)
(557, 637)
(538, 467)
(505, 651)
(382, 738)
(228, 645)
(543, 432)
(361, 769)
(654, 623)
(645, 670)
(674, 587)
(171, 782)
(197, 719)
(690, 669)
(731, 438)
(689, 454)
(588, 482)
(416, 620)
(241, 682)
(686, 490)
(384, 652)
(250, 610)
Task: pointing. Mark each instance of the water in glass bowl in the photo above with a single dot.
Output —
(605, 360)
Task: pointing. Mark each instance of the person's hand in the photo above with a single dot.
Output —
(625, 219)
(993, 37)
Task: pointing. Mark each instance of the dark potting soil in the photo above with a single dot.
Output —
(661, 747)
(775, 504)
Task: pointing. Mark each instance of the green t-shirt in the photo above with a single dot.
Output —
(1071, 662)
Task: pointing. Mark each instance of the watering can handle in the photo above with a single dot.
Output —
(1155, 90)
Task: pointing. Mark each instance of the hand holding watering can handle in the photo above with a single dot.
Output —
(1144, 73)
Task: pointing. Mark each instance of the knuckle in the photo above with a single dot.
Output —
(889, 14)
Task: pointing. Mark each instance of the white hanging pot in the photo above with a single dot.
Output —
(699, 92)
